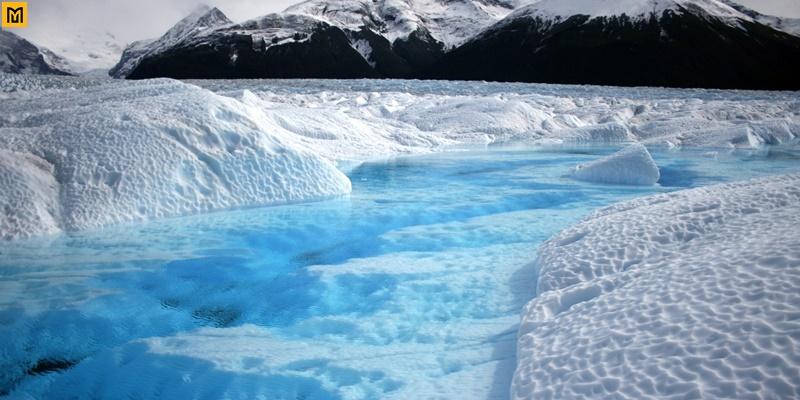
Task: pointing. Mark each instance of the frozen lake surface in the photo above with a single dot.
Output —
(409, 287)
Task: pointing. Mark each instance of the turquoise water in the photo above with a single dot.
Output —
(410, 287)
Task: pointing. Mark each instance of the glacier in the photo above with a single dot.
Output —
(689, 294)
(212, 145)
(161, 148)
(383, 287)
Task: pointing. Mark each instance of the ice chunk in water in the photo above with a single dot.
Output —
(630, 166)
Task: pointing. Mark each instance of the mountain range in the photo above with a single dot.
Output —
(674, 43)
(20, 56)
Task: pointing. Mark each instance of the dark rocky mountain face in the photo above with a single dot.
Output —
(677, 49)
(326, 54)
(19, 56)
(390, 36)
(682, 47)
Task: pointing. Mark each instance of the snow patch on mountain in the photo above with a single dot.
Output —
(788, 25)
(365, 49)
(275, 29)
(450, 22)
(563, 9)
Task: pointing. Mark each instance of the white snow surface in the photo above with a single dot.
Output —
(691, 294)
(160, 148)
(632, 165)
(563, 9)
(122, 151)
(31, 191)
(788, 25)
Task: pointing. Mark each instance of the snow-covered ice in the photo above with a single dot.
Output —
(397, 290)
(691, 294)
(250, 143)
(153, 149)
(632, 165)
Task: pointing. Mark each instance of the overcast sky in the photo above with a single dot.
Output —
(55, 22)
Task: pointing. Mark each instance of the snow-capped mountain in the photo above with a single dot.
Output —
(707, 43)
(677, 43)
(450, 22)
(20, 56)
(318, 38)
(788, 25)
(199, 22)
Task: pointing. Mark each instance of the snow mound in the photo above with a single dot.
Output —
(691, 294)
(112, 154)
(632, 165)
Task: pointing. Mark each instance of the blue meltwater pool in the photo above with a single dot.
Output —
(409, 288)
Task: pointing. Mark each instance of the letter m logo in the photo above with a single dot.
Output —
(14, 14)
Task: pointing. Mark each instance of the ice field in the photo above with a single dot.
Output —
(84, 153)
(419, 236)
(397, 291)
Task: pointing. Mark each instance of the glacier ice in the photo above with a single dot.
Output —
(248, 143)
(689, 294)
(148, 150)
(382, 294)
(29, 196)
(632, 165)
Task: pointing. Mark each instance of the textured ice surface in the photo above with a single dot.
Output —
(470, 112)
(410, 287)
(29, 196)
(632, 165)
(124, 151)
(397, 291)
(691, 294)
(115, 153)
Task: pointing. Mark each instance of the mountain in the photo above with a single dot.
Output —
(449, 22)
(675, 43)
(84, 48)
(318, 39)
(20, 56)
(788, 25)
(197, 24)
